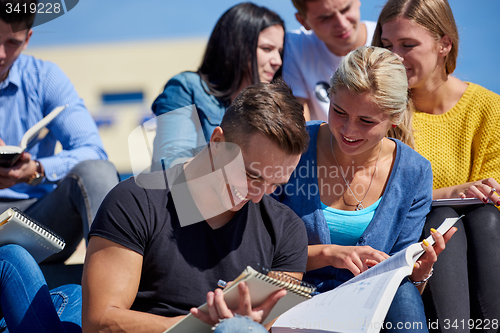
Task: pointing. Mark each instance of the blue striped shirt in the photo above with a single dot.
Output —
(32, 89)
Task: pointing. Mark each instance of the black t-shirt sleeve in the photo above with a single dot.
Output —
(291, 240)
(124, 216)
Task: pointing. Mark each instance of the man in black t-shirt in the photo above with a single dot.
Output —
(161, 241)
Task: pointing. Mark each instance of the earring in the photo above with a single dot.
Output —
(394, 125)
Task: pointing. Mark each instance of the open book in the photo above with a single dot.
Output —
(18, 228)
(360, 304)
(261, 286)
(10, 154)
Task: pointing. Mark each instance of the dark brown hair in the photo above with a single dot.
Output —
(231, 53)
(20, 20)
(269, 109)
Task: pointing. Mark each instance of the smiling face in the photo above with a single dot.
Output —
(11, 46)
(336, 23)
(269, 50)
(264, 167)
(422, 55)
(267, 166)
(356, 122)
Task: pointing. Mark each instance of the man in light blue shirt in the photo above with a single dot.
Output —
(62, 191)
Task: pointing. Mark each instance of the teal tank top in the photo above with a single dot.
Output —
(347, 226)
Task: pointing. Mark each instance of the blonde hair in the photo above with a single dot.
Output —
(433, 15)
(380, 73)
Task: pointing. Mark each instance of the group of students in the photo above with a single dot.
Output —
(323, 201)
(446, 120)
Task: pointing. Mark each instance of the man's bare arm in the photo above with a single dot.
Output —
(110, 282)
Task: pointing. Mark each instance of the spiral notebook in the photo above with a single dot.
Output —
(18, 228)
(261, 285)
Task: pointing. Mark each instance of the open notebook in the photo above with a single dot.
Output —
(260, 286)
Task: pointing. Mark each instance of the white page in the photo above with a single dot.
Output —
(352, 307)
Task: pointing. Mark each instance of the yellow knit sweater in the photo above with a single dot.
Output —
(462, 144)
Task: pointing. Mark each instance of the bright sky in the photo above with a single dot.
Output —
(108, 21)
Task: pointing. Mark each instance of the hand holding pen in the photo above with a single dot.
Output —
(218, 309)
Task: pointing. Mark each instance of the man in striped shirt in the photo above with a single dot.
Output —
(64, 190)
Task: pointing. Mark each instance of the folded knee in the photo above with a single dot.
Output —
(485, 217)
(11, 251)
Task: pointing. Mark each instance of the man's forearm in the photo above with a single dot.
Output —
(123, 320)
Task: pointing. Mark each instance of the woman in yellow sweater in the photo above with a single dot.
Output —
(456, 125)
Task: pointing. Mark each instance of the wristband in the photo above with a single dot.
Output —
(418, 283)
(39, 175)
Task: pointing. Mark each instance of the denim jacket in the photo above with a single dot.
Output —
(186, 117)
(397, 223)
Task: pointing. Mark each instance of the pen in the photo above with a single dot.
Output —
(222, 284)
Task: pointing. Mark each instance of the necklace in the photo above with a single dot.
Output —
(359, 206)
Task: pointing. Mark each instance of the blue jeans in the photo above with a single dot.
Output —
(70, 209)
(239, 324)
(406, 313)
(25, 301)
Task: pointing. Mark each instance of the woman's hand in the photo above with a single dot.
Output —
(484, 189)
(423, 266)
(357, 259)
(218, 309)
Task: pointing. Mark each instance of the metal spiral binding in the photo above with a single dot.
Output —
(288, 282)
(38, 228)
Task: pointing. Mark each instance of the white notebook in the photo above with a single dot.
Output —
(261, 286)
(456, 202)
(18, 228)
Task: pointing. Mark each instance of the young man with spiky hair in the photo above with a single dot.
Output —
(155, 254)
(330, 30)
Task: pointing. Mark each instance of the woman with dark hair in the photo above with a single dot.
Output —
(245, 48)
(455, 129)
